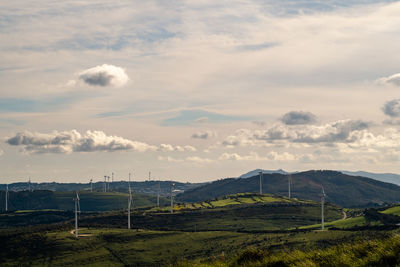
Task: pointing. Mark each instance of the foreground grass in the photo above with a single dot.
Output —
(378, 252)
(120, 247)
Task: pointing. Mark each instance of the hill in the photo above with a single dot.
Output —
(383, 177)
(256, 172)
(239, 212)
(143, 187)
(90, 201)
(341, 189)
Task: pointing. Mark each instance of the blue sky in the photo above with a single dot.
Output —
(197, 90)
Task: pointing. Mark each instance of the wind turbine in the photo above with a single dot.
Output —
(108, 183)
(290, 184)
(105, 183)
(30, 184)
(6, 197)
(172, 198)
(77, 210)
(149, 175)
(158, 195)
(129, 202)
(323, 196)
(261, 175)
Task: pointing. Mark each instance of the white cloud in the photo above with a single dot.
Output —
(253, 156)
(72, 141)
(201, 120)
(335, 132)
(392, 79)
(198, 160)
(104, 75)
(191, 159)
(171, 148)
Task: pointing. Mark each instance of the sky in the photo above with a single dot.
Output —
(197, 90)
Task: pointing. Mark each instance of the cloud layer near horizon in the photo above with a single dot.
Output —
(72, 141)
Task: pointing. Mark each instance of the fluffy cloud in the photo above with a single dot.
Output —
(343, 131)
(104, 75)
(392, 108)
(395, 122)
(393, 79)
(192, 159)
(204, 135)
(198, 160)
(168, 147)
(72, 141)
(298, 117)
(340, 131)
(253, 156)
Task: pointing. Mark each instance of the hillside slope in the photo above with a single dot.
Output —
(341, 189)
(89, 201)
(383, 177)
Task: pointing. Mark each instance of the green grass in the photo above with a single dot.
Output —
(119, 247)
(244, 217)
(373, 252)
(89, 201)
(393, 210)
(234, 199)
(344, 224)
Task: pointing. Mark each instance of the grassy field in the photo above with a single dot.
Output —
(342, 224)
(215, 231)
(240, 212)
(393, 210)
(360, 252)
(119, 247)
(90, 201)
(243, 212)
(234, 199)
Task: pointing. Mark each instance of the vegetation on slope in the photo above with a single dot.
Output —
(377, 252)
(341, 189)
(122, 247)
(89, 201)
(239, 212)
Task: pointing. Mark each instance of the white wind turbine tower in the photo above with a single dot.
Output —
(105, 183)
(261, 176)
(149, 176)
(77, 210)
(290, 184)
(323, 196)
(30, 184)
(6, 197)
(158, 195)
(172, 198)
(129, 202)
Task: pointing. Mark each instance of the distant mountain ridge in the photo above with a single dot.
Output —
(341, 189)
(257, 171)
(383, 177)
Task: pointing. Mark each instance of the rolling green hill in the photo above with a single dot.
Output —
(341, 189)
(240, 212)
(89, 201)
